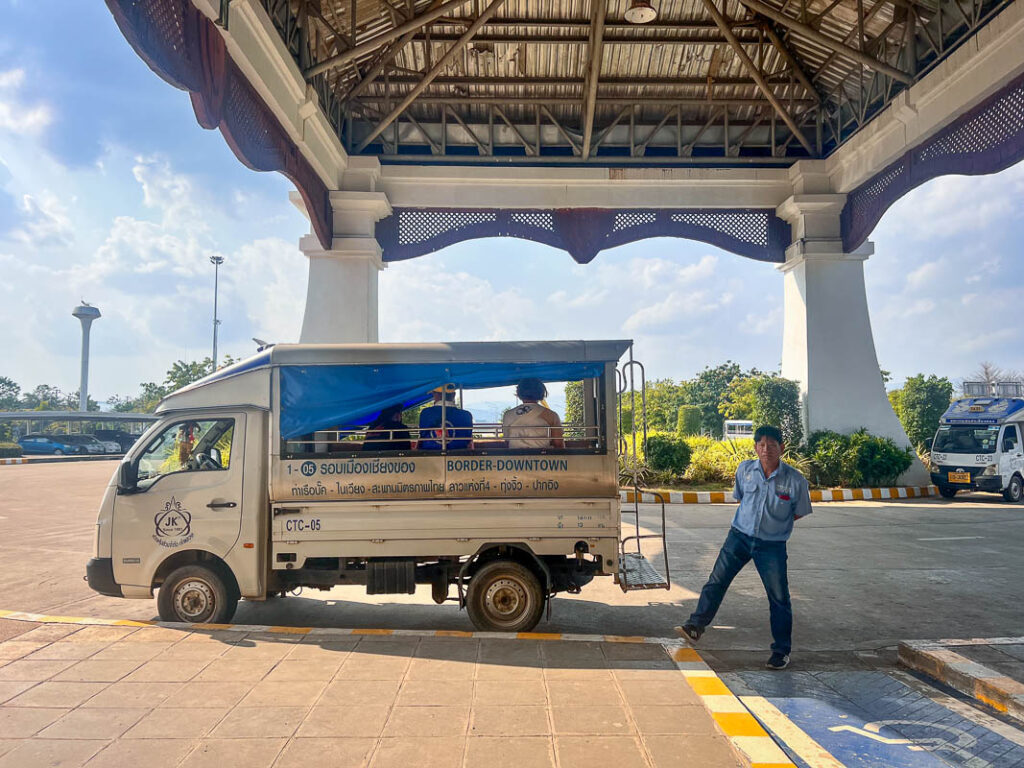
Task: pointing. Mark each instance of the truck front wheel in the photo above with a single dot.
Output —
(504, 596)
(196, 594)
(1015, 490)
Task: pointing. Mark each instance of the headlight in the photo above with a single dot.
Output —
(991, 469)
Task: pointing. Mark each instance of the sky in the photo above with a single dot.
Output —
(110, 192)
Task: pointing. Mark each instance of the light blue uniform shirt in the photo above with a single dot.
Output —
(769, 505)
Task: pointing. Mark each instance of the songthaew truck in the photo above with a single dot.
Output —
(977, 447)
(314, 466)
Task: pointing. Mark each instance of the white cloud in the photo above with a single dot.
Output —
(46, 222)
(923, 274)
(16, 116)
(951, 206)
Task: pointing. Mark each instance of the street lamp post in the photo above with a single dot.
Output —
(216, 261)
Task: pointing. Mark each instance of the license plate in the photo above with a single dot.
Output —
(959, 477)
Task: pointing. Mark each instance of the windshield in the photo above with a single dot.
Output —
(966, 439)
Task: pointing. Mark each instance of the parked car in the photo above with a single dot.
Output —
(89, 443)
(48, 444)
(109, 446)
(124, 440)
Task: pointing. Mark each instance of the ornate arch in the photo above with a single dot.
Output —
(584, 232)
(185, 49)
(987, 139)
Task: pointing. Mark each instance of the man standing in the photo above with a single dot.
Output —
(772, 495)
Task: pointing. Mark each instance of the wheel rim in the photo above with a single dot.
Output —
(506, 601)
(194, 600)
(1015, 489)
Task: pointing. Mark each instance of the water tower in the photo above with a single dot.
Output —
(86, 313)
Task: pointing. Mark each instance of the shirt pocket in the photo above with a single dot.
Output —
(782, 505)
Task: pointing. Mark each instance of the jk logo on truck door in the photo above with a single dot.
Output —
(173, 525)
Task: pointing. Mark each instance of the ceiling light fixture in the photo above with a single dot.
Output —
(640, 12)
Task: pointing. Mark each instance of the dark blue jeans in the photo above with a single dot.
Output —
(770, 560)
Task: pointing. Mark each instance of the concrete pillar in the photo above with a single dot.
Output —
(341, 300)
(827, 341)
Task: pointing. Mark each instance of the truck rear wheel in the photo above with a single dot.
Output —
(947, 492)
(196, 594)
(504, 596)
(1015, 490)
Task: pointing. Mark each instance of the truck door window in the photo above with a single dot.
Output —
(1011, 440)
(187, 446)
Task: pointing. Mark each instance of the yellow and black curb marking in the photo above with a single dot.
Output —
(748, 738)
(938, 661)
(836, 494)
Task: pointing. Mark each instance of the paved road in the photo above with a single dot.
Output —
(864, 575)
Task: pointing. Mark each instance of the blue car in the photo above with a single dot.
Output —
(51, 444)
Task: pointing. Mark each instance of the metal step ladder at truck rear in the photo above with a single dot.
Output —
(635, 571)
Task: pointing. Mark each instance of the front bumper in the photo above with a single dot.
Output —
(99, 572)
(979, 482)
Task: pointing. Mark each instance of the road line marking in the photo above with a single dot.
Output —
(806, 748)
(952, 538)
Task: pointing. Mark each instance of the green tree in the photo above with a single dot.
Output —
(895, 399)
(43, 398)
(777, 402)
(71, 402)
(688, 420)
(706, 390)
(183, 373)
(9, 394)
(664, 397)
(738, 400)
(921, 403)
(574, 402)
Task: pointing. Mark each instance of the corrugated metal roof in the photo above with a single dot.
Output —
(678, 79)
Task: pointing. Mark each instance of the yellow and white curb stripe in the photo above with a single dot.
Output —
(18, 460)
(743, 730)
(836, 494)
(982, 683)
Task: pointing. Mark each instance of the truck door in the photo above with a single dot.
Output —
(1011, 457)
(188, 495)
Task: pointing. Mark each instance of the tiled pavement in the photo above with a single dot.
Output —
(153, 696)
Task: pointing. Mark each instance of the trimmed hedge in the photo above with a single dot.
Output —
(688, 420)
(10, 450)
(664, 453)
(856, 460)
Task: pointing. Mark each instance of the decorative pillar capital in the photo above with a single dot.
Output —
(828, 249)
(364, 249)
(814, 216)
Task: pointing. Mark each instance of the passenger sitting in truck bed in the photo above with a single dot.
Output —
(532, 425)
(388, 433)
(458, 423)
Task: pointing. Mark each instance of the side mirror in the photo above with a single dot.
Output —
(128, 477)
(215, 455)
